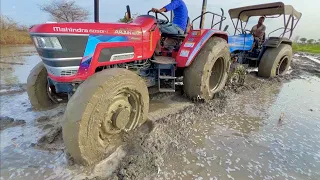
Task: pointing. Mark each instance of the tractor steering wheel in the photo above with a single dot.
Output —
(160, 21)
(243, 31)
(246, 30)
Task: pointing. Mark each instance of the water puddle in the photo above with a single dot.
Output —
(16, 64)
(272, 134)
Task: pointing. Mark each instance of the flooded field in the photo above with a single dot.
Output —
(270, 134)
(267, 129)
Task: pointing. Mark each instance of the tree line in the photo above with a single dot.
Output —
(306, 41)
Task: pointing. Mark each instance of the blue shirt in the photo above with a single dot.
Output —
(180, 11)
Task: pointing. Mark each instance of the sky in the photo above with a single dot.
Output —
(27, 11)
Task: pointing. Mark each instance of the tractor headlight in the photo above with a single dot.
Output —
(47, 42)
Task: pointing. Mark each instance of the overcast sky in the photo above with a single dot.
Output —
(27, 11)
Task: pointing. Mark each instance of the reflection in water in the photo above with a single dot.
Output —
(247, 143)
(16, 63)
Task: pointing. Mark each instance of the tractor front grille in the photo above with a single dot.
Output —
(68, 72)
(62, 71)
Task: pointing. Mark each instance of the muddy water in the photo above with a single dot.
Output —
(20, 159)
(270, 134)
(16, 63)
(246, 141)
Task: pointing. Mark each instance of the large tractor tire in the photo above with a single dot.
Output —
(37, 88)
(208, 72)
(275, 61)
(107, 104)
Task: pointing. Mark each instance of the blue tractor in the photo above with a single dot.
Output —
(273, 55)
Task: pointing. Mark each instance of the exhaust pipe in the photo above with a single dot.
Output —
(128, 12)
(204, 8)
(96, 10)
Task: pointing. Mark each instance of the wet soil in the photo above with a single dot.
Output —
(182, 139)
(7, 122)
(147, 153)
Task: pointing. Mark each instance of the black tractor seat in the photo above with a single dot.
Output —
(174, 35)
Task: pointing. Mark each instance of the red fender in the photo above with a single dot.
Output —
(193, 43)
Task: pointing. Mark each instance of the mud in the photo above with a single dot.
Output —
(7, 122)
(179, 132)
(146, 152)
(52, 141)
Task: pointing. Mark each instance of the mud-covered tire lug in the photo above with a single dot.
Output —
(105, 106)
(237, 75)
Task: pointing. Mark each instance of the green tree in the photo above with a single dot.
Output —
(310, 41)
(303, 40)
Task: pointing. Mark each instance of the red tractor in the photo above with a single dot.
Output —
(104, 71)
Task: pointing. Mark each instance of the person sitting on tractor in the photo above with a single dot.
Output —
(180, 18)
(179, 25)
(258, 32)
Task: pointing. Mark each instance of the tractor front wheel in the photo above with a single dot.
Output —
(208, 72)
(107, 104)
(39, 93)
(275, 61)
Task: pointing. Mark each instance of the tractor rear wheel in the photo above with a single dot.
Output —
(275, 61)
(107, 104)
(208, 72)
(38, 90)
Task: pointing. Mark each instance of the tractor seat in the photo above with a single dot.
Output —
(174, 35)
(178, 35)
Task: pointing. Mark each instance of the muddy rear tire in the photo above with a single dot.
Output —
(107, 104)
(275, 61)
(37, 88)
(208, 72)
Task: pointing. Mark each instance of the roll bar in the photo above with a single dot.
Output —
(212, 21)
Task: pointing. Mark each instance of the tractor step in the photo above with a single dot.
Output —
(252, 59)
(166, 90)
(167, 77)
(164, 60)
(166, 73)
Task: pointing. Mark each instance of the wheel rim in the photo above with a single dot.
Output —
(51, 94)
(122, 114)
(282, 66)
(54, 97)
(217, 73)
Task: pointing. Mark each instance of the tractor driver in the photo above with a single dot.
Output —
(180, 18)
(258, 32)
(259, 29)
(179, 25)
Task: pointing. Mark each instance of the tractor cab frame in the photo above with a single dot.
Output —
(241, 16)
(249, 53)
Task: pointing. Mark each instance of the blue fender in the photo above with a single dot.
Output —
(241, 42)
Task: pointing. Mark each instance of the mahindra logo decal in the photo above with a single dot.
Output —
(127, 32)
(78, 30)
